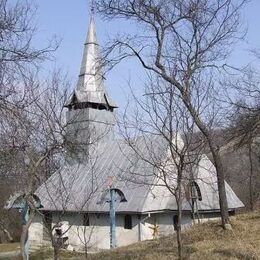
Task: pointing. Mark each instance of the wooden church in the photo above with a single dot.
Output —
(71, 197)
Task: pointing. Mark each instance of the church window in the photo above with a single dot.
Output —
(86, 221)
(196, 193)
(175, 222)
(128, 222)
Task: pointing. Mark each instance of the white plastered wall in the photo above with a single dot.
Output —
(96, 236)
(36, 231)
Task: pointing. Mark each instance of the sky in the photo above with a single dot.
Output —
(68, 20)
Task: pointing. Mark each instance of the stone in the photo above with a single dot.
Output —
(228, 227)
(70, 248)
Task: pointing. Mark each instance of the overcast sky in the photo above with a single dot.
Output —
(68, 20)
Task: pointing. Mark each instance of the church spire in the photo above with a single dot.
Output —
(90, 86)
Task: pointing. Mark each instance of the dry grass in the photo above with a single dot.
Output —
(46, 254)
(42, 254)
(9, 247)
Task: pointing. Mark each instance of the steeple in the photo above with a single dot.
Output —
(90, 90)
(90, 115)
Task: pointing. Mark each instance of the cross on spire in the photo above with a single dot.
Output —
(92, 8)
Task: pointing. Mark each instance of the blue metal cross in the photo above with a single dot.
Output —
(114, 196)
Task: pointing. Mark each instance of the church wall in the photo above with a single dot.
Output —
(127, 236)
(165, 223)
(36, 231)
(96, 235)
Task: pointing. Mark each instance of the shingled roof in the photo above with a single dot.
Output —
(79, 187)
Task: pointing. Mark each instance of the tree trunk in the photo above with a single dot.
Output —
(179, 213)
(178, 233)
(86, 251)
(23, 238)
(56, 255)
(221, 189)
(251, 201)
(217, 163)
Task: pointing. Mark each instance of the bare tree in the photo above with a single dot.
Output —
(243, 134)
(243, 131)
(33, 127)
(35, 136)
(186, 43)
(175, 156)
(18, 59)
(86, 232)
(243, 93)
(17, 53)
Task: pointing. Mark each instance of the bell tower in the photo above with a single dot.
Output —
(90, 115)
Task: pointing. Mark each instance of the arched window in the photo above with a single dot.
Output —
(128, 222)
(195, 191)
